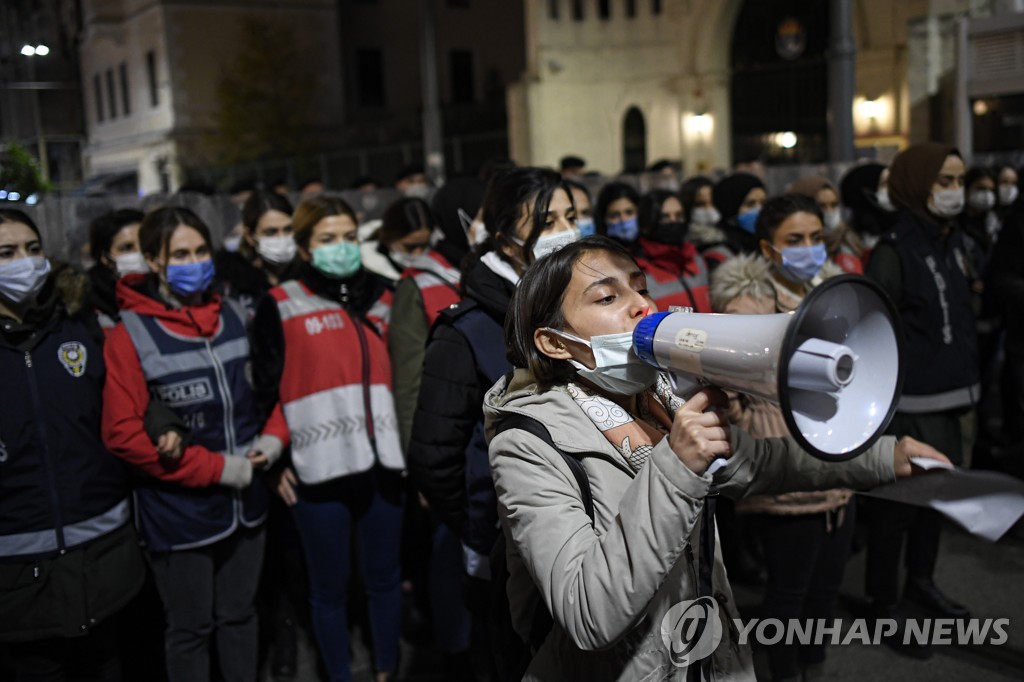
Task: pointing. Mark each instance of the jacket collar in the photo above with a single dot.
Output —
(140, 294)
(570, 429)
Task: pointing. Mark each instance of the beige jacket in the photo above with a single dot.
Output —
(609, 586)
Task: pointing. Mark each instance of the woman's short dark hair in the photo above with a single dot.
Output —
(158, 226)
(15, 215)
(537, 303)
(103, 229)
(777, 209)
(512, 191)
(403, 217)
(975, 173)
(649, 211)
(609, 194)
(261, 202)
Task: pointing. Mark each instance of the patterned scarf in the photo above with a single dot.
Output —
(633, 438)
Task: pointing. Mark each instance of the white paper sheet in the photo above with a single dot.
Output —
(985, 503)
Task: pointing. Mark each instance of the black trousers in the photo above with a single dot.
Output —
(91, 658)
(805, 562)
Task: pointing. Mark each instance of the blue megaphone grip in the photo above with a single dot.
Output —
(643, 338)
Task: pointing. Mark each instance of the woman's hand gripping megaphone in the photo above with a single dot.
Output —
(700, 430)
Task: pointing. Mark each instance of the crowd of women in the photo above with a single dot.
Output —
(222, 409)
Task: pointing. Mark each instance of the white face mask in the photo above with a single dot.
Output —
(131, 264)
(405, 260)
(553, 242)
(705, 215)
(1007, 194)
(476, 233)
(21, 279)
(277, 250)
(982, 199)
(419, 190)
(617, 368)
(833, 219)
(882, 196)
(947, 203)
(231, 244)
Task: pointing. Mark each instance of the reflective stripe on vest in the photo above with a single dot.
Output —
(43, 541)
(693, 285)
(939, 402)
(329, 435)
(436, 292)
(156, 364)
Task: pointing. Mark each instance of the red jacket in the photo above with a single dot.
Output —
(676, 275)
(437, 282)
(126, 394)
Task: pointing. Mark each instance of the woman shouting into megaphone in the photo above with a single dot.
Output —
(605, 485)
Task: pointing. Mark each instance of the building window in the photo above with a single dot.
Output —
(370, 78)
(630, 8)
(553, 9)
(460, 64)
(97, 94)
(656, 6)
(604, 8)
(154, 93)
(126, 102)
(577, 10)
(111, 94)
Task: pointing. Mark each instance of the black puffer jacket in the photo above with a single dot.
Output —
(450, 405)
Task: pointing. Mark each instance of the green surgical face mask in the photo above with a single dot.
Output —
(341, 259)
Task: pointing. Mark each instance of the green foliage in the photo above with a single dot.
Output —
(261, 96)
(20, 172)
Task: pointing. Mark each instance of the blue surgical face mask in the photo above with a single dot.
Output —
(748, 220)
(585, 226)
(624, 230)
(188, 279)
(801, 263)
(341, 259)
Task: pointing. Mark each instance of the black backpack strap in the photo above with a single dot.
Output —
(531, 425)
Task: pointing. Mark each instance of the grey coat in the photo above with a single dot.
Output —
(608, 587)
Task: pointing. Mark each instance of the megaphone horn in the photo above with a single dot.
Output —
(833, 364)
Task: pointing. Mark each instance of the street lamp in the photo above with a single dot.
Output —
(38, 51)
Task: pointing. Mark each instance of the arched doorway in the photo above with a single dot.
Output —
(634, 142)
(779, 91)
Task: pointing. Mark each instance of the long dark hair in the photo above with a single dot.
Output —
(403, 217)
(514, 190)
(158, 226)
(14, 215)
(537, 303)
(649, 210)
(261, 202)
(103, 229)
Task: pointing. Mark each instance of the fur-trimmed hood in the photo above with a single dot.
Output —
(743, 275)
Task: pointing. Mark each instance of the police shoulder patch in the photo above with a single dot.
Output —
(73, 356)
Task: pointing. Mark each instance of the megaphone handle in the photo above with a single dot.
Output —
(717, 466)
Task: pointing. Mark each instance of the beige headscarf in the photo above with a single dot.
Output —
(912, 174)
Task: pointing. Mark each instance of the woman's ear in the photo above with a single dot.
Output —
(304, 254)
(767, 251)
(154, 266)
(551, 345)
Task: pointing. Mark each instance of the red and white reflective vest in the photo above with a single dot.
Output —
(676, 276)
(336, 386)
(437, 282)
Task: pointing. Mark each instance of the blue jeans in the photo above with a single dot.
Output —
(368, 506)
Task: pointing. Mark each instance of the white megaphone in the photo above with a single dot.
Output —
(833, 364)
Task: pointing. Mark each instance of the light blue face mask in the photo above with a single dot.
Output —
(747, 221)
(801, 263)
(624, 230)
(585, 226)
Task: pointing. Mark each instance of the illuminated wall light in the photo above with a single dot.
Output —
(980, 107)
(786, 140)
(871, 109)
(698, 125)
(28, 50)
(42, 50)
